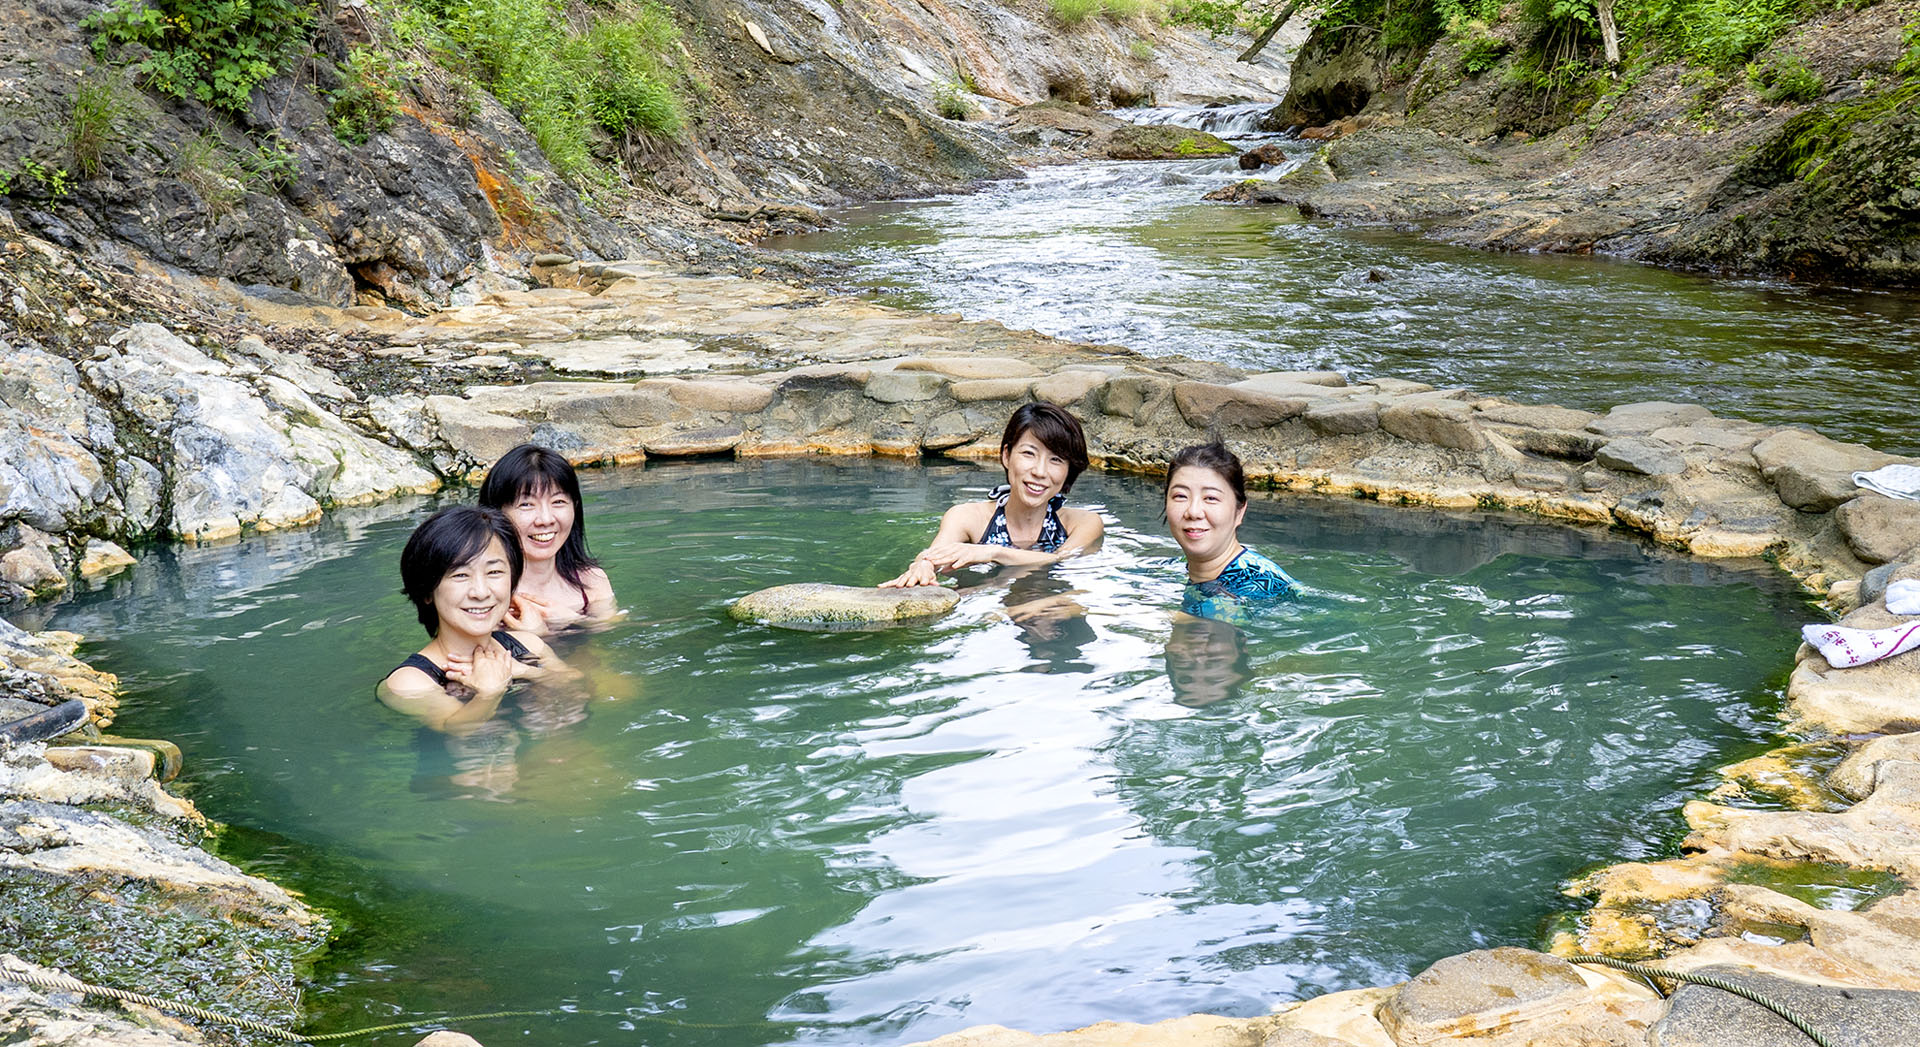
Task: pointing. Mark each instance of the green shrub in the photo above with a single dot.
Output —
(53, 180)
(1718, 34)
(1480, 50)
(368, 100)
(207, 167)
(1140, 51)
(950, 99)
(1785, 77)
(1073, 12)
(103, 106)
(1125, 9)
(212, 50)
(630, 90)
(1909, 62)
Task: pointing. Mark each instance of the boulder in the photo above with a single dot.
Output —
(1432, 419)
(1701, 1016)
(816, 605)
(1344, 419)
(723, 397)
(102, 558)
(976, 390)
(1070, 386)
(480, 435)
(1860, 771)
(1880, 529)
(1262, 156)
(1812, 472)
(1488, 992)
(1208, 406)
(1639, 455)
(1126, 396)
(1643, 418)
(898, 387)
(962, 368)
(1164, 142)
(696, 442)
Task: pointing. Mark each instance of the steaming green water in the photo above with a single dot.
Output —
(1128, 253)
(876, 838)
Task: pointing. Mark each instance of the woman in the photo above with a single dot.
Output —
(459, 570)
(1206, 501)
(1025, 521)
(561, 584)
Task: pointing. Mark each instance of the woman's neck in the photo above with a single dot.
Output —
(1025, 520)
(446, 646)
(1209, 569)
(540, 574)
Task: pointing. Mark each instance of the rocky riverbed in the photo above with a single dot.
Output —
(245, 413)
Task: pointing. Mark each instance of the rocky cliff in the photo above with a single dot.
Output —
(1665, 162)
(789, 104)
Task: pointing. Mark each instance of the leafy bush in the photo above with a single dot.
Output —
(1909, 62)
(1140, 51)
(629, 88)
(1785, 77)
(950, 99)
(212, 50)
(1480, 50)
(1718, 34)
(367, 101)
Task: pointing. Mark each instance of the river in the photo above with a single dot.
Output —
(1127, 253)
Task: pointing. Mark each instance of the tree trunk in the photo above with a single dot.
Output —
(1609, 33)
(1281, 19)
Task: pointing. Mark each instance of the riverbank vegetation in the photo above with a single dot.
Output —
(582, 77)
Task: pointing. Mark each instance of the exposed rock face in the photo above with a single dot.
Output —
(1668, 171)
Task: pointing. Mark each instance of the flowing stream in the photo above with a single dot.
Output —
(1128, 253)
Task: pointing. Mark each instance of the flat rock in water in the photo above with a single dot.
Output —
(816, 605)
(1707, 1017)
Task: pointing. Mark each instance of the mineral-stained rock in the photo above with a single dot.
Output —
(1164, 142)
(1069, 387)
(1860, 771)
(695, 442)
(819, 605)
(895, 387)
(978, 389)
(968, 368)
(102, 558)
(479, 434)
(1879, 529)
(1701, 1016)
(731, 397)
(1487, 992)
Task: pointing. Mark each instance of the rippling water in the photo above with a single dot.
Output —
(1127, 253)
(1049, 808)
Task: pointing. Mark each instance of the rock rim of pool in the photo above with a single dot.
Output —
(824, 606)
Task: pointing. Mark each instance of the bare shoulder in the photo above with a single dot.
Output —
(968, 517)
(1077, 520)
(409, 682)
(532, 642)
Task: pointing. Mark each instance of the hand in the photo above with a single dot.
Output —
(951, 556)
(488, 672)
(528, 614)
(921, 573)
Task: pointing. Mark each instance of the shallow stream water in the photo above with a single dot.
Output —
(1051, 807)
(1129, 254)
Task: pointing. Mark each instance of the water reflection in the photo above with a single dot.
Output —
(1206, 661)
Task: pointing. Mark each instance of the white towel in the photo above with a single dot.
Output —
(1894, 481)
(1844, 648)
(1903, 596)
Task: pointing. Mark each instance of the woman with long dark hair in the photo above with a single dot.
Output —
(561, 584)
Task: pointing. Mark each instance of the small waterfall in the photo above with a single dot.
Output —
(1239, 120)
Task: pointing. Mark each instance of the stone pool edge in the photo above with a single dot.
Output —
(826, 375)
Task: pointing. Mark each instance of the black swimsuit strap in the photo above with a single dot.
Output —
(425, 665)
(514, 648)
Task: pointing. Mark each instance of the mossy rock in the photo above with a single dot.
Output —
(1159, 142)
(818, 606)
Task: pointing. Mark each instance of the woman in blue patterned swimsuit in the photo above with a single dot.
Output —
(1206, 502)
(459, 569)
(1025, 521)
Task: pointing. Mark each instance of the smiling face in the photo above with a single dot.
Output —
(472, 598)
(1203, 513)
(1034, 471)
(543, 518)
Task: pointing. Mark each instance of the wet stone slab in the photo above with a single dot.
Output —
(1701, 1016)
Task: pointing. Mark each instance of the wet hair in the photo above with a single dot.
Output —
(1214, 456)
(451, 537)
(529, 470)
(1057, 430)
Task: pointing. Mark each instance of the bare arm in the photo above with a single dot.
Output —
(960, 525)
(413, 692)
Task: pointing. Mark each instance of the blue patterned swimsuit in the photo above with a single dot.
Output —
(1248, 582)
(1053, 534)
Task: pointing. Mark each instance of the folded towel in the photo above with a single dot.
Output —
(1844, 648)
(1903, 596)
(1894, 481)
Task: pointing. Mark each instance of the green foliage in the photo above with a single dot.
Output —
(103, 106)
(1785, 77)
(1140, 51)
(1717, 34)
(54, 181)
(273, 164)
(1808, 140)
(565, 83)
(1217, 17)
(211, 171)
(212, 50)
(1480, 50)
(950, 99)
(1909, 62)
(368, 98)
(1073, 12)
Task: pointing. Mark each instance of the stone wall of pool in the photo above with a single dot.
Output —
(621, 363)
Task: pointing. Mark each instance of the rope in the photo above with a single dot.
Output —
(1713, 982)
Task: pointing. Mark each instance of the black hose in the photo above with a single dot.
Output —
(51, 723)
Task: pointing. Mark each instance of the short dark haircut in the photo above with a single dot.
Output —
(1214, 456)
(528, 470)
(449, 538)
(1057, 430)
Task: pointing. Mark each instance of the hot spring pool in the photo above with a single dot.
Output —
(742, 835)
